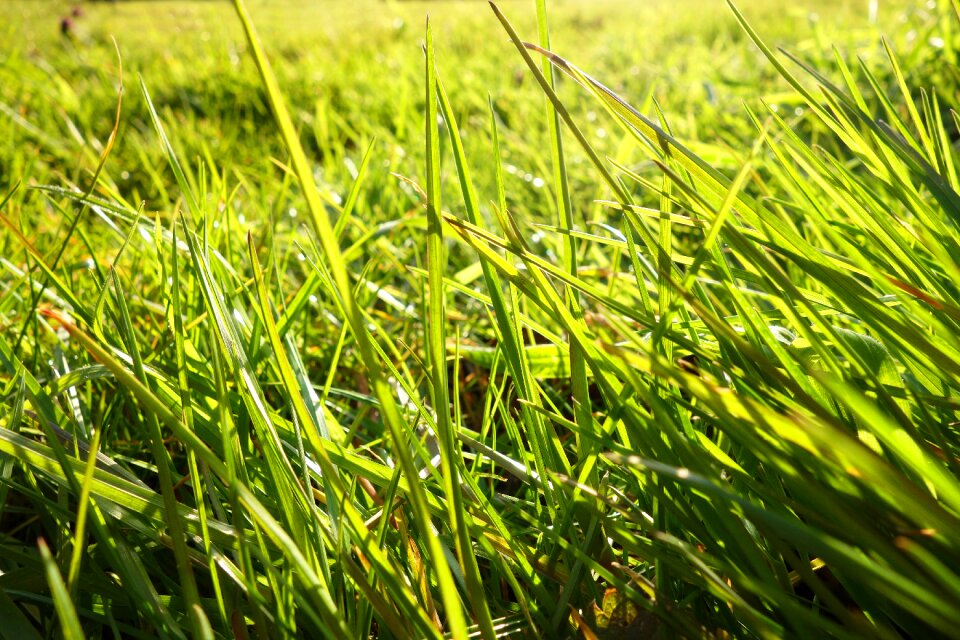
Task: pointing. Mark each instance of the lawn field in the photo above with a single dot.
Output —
(546, 319)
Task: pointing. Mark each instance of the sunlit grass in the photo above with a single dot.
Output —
(551, 320)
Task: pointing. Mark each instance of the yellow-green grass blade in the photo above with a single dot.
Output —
(165, 477)
(338, 269)
(175, 317)
(67, 614)
(451, 457)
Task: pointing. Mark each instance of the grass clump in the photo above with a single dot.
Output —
(693, 373)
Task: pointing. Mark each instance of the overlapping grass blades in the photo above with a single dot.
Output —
(726, 407)
(782, 373)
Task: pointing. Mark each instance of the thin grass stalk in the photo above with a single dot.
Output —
(451, 458)
(382, 389)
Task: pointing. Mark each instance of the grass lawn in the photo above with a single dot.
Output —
(328, 320)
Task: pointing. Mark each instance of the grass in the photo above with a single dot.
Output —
(578, 320)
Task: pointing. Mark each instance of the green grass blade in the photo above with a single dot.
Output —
(451, 458)
(69, 623)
